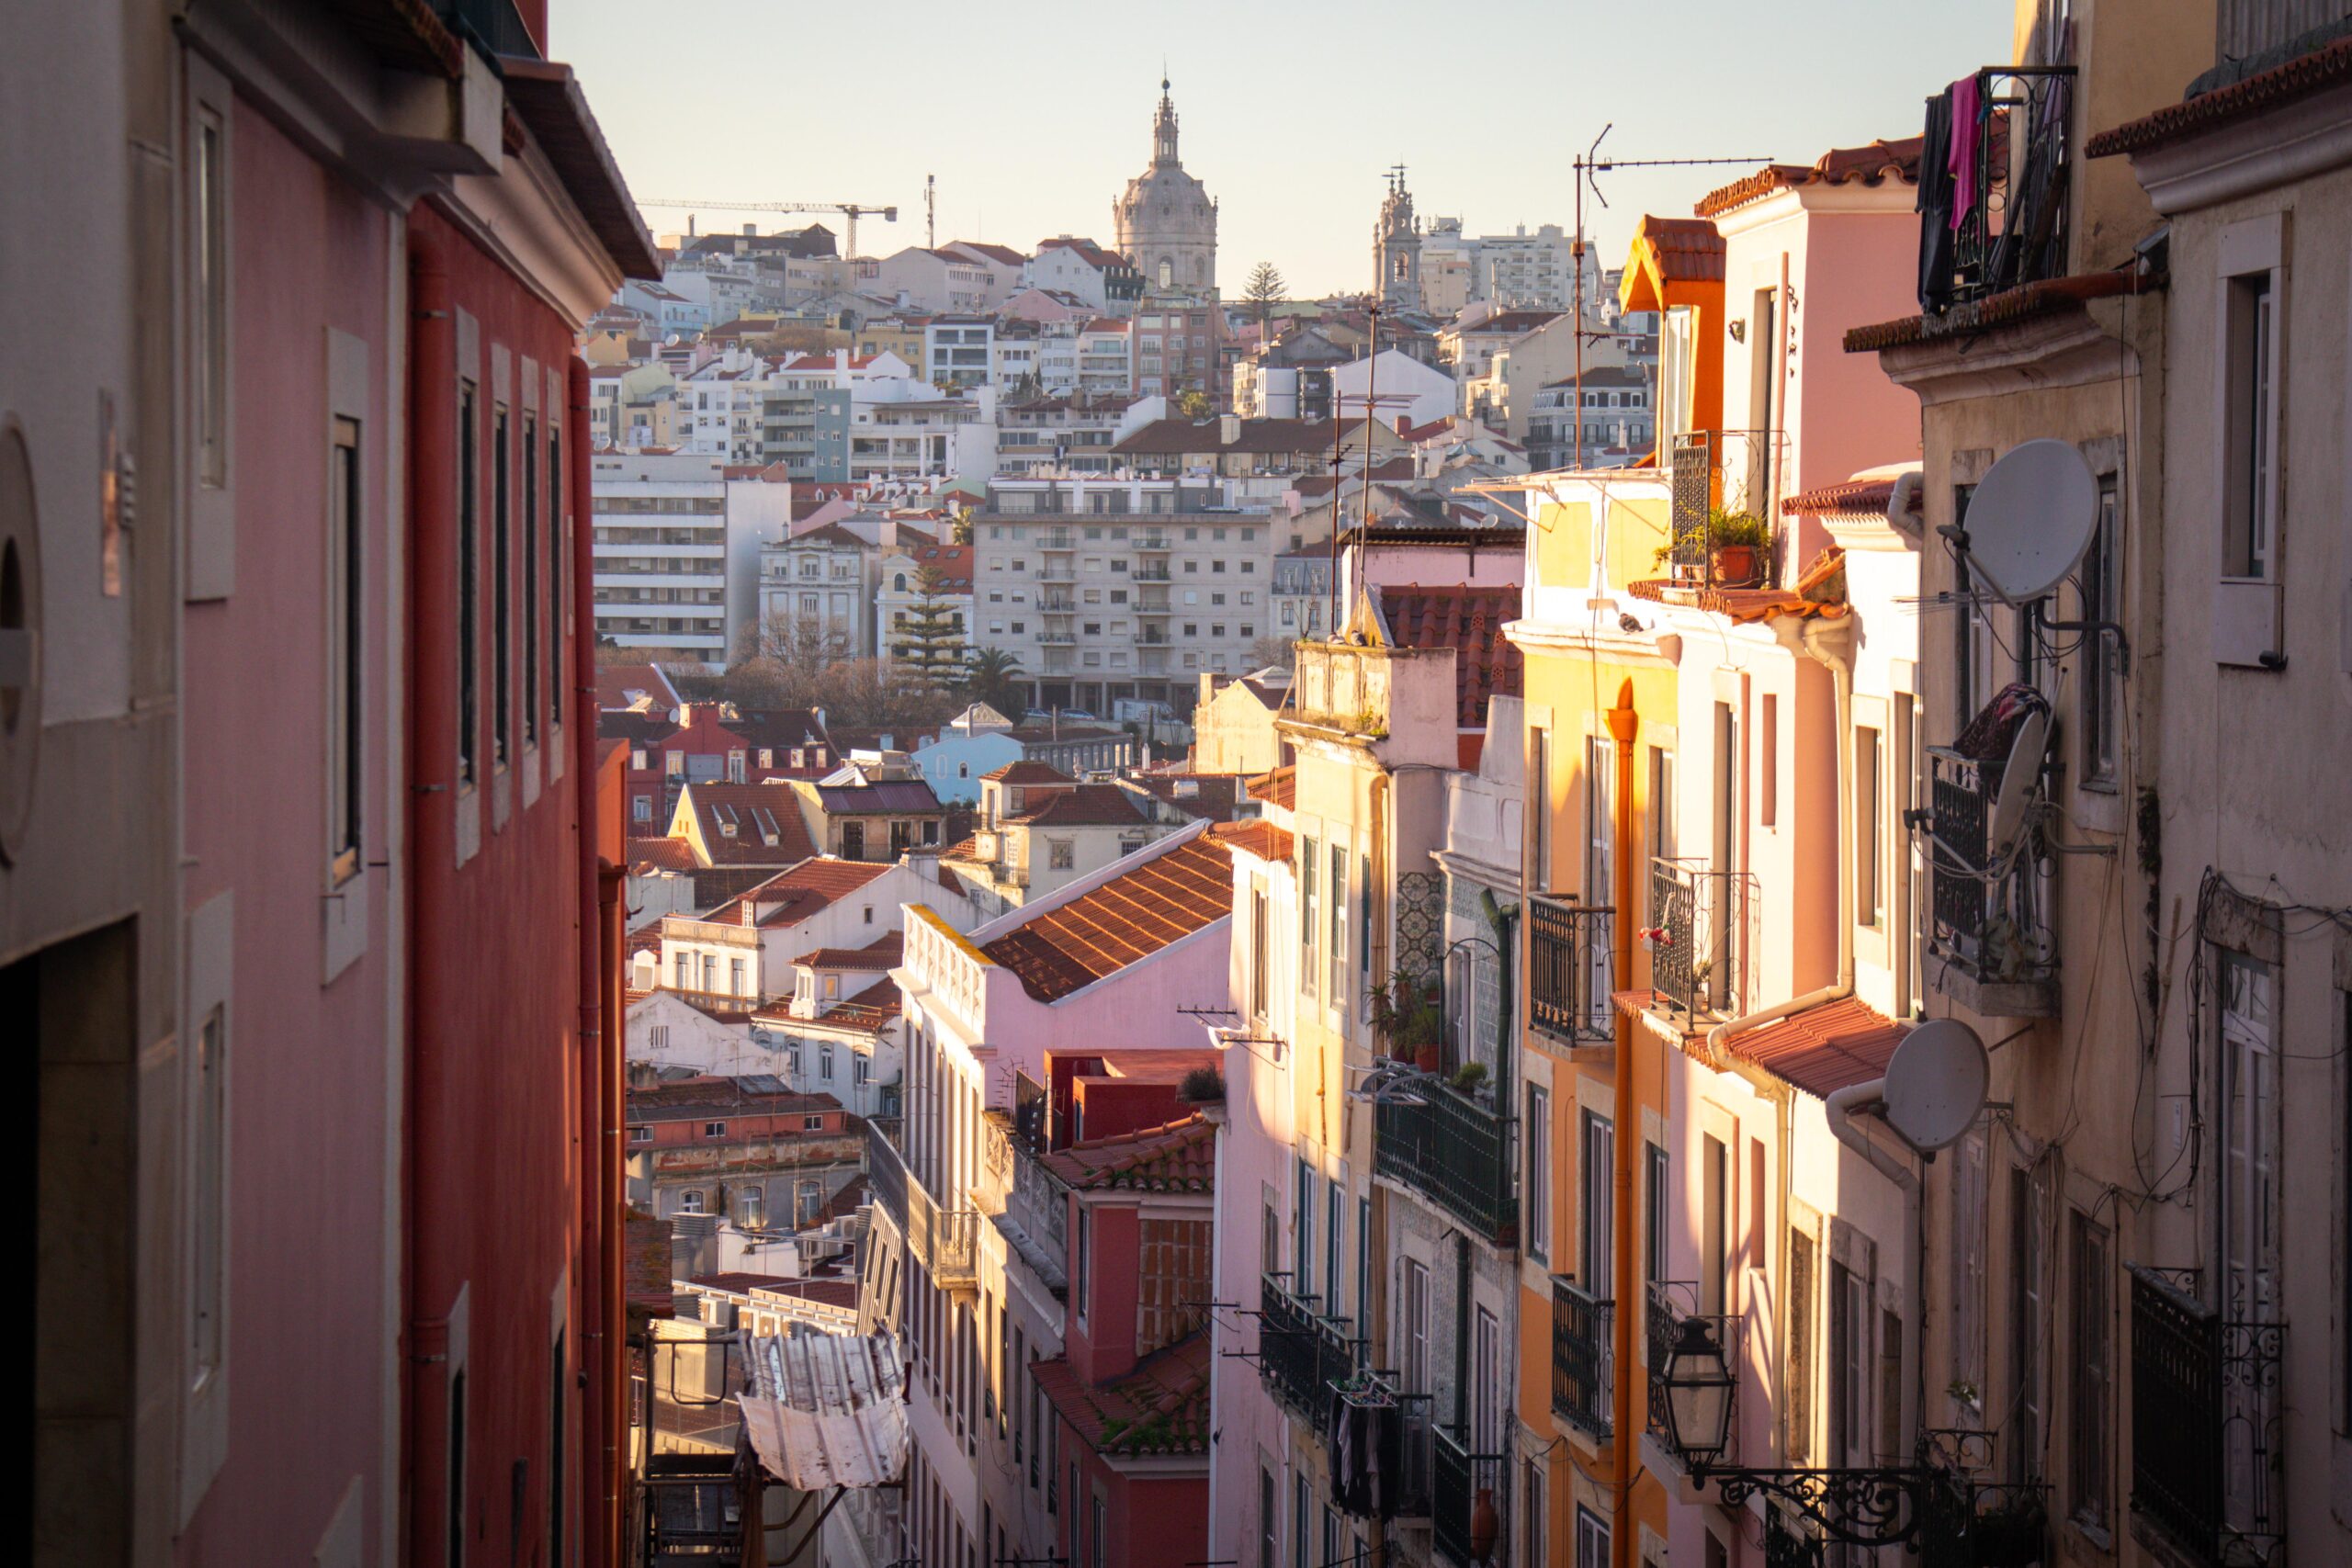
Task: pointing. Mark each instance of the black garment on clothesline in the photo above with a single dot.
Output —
(1936, 256)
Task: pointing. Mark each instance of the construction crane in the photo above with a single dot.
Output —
(851, 211)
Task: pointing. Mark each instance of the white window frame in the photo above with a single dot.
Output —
(209, 570)
(2250, 573)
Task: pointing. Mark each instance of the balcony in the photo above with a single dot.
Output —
(1148, 574)
(944, 1241)
(1058, 605)
(1570, 956)
(1721, 490)
(1584, 1360)
(1026, 1202)
(1157, 544)
(1456, 1478)
(886, 1175)
(1455, 1151)
(1300, 1351)
(2206, 1406)
(1056, 638)
(2014, 232)
(495, 25)
(1699, 936)
(1057, 539)
(1991, 948)
(1968, 1520)
(1152, 638)
(1162, 608)
(1058, 576)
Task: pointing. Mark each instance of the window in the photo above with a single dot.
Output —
(1714, 1225)
(1849, 1366)
(1259, 940)
(690, 1200)
(1538, 1150)
(1592, 1540)
(824, 1063)
(1532, 1512)
(531, 578)
(455, 1498)
(734, 976)
(1062, 853)
(1870, 856)
(812, 1123)
(1268, 1521)
(1306, 926)
(1337, 995)
(2251, 462)
(1966, 1285)
(1654, 1214)
(1303, 1243)
(1082, 1272)
(211, 247)
(502, 609)
(346, 654)
(1597, 1180)
(2101, 601)
(557, 605)
(2087, 1395)
(640, 1135)
(1768, 763)
(861, 1071)
(714, 1129)
(1800, 1347)
(2027, 1217)
(209, 1201)
(1334, 1247)
(1539, 792)
(469, 580)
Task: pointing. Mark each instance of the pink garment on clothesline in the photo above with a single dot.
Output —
(1966, 128)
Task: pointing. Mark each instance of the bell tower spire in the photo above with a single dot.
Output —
(1163, 126)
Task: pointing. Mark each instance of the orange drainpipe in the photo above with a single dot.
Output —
(1624, 724)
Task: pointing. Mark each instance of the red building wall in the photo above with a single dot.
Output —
(494, 1274)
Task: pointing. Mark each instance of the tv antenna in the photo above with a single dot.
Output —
(1590, 165)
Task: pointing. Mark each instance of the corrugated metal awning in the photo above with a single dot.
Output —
(826, 1410)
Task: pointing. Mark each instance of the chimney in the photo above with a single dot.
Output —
(1229, 429)
(751, 230)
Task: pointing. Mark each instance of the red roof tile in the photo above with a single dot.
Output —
(1852, 498)
(1259, 838)
(1823, 1049)
(799, 893)
(1160, 1407)
(882, 955)
(660, 854)
(1084, 806)
(1686, 249)
(1212, 796)
(2329, 66)
(1277, 788)
(615, 681)
(1175, 892)
(1515, 322)
(2048, 298)
(1870, 166)
(1469, 621)
(1178, 1157)
(757, 813)
(1027, 773)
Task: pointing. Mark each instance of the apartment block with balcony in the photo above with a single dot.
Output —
(820, 585)
(676, 548)
(1106, 588)
(1113, 956)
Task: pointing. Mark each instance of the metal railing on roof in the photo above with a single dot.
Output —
(493, 25)
(2013, 232)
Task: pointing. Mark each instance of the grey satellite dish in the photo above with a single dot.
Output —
(2018, 781)
(1936, 1084)
(2031, 519)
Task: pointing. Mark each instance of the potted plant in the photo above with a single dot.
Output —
(1739, 544)
(1409, 1014)
(1470, 1077)
(1202, 1086)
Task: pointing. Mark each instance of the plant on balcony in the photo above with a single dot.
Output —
(1202, 1086)
(1471, 1077)
(1735, 544)
(1408, 1017)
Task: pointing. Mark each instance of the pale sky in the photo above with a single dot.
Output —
(1035, 115)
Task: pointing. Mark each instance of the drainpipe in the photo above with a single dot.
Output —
(1624, 724)
(430, 803)
(1842, 1105)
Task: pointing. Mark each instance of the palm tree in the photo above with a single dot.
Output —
(993, 675)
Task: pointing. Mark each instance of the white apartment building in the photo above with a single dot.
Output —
(906, 430)
(1514, 271)
(1105, 589)
(1106, 357)
(960, 350)
(677, 551)
(1064, 433)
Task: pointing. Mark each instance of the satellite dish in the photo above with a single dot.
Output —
(2031, 519)
(1936, 1084)
(2018, 781)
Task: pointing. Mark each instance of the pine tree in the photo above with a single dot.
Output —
(930, 642)
(1264, 290)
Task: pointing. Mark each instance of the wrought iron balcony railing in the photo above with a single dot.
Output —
(1721, 487)
(1570, 957)
(2014, 231)
(1698, 938)
(1457, 1476)
(1148, 574)
(1453, 1150)
(1300, 1352)
(2206, 1406)
(1584, 1360)
(1967, 1520)
(886, 1175)
(1988, 930)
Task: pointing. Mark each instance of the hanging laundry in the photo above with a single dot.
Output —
(1967, 135)
(1934, 206)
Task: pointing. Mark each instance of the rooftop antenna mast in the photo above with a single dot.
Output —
(1588, 165)
(931, 212)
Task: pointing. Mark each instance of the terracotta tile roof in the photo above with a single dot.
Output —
(1852, 498)
(799, 893)
(1741, 605)
(1277, 788)
(1160, 1407)
(1261, 837)
(660, 854)
(1084, 806)
(1027, 773)
(830, 534)
(962, 849)
(1086, 251)
(1469, 621)
(1515, 322)
(614, 683)
(1256, 435)
(1823, 1049)
(1174, 892)
(1212, 796)
(1870, 166)
(2316, 71)
(1683, 250)
(2025, 302)
(995, 253)
(875, 956)
(757, 813)
(1178, 1157)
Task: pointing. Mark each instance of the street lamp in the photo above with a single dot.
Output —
(1699, 1388)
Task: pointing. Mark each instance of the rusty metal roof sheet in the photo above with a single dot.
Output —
(826, 1410)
